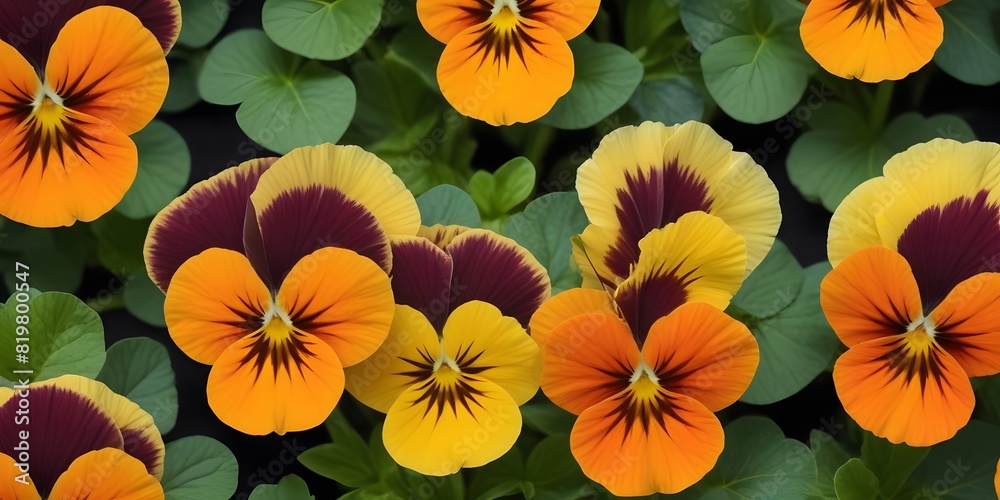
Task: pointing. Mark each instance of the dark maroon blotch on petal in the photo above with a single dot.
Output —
(643, 302)
(948, 245)
(142, 448)
(421, 278)
(62, 426)
(651, 201)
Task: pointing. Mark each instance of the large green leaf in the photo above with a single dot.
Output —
(144, 300)
(670, 100)
(853, 481)
(891, 463)
(830, 456)
(202, 21)
(760, 462)
(346, 460)
(828, 162)
(164, 167)
(139, 369)
(606, 76)
(961, 468)
(183, 93)
(448, 205)
(64, 336)
(56, 257)
(287, 102)
(708, 21)
(552, 471)
(971, 47)
(199, 467)
(322, 29)
(545, 228)
(291, 487)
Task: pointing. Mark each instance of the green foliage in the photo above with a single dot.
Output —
(139, 369)
(56, 257)
(202, 21)
(144, 300)
(499, 193)
(544, 228)
(448, 205)
(164, 167)
(322, 29)
(198, 467)
(669, 100)
(853, 481)
(971, 47)
(290, 487)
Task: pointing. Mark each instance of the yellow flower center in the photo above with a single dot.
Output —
(49, 114)
(645, 388)
(920, 337)
(505, 13)
(278, 330)
(446, 375)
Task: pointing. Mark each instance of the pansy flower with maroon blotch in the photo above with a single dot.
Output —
(646, 366)
(872, 40)
(915, 290)
(71, 93)
(458, 362)
(276, 275)
(643, 178)
(84, 441)
(506, 61)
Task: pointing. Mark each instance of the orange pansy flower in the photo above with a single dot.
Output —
(506, 61)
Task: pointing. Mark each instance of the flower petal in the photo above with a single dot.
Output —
(906, 391)
(105, 474)
(702, 353)
(696, 259)
(434, 439)
(407, 356)
(968, 324)
(10, 485)
(421, 277)
(494, 347)
(587, 359)
(565, 306)
(209, 215)
(106, 64)
(285, 381)
(341, 298)
(444, 19)
(506, 72)
(495, 269)
(19, 84)
(214, 300)
(870, 295)
(871, 40)
(679, 445)
(568, 17)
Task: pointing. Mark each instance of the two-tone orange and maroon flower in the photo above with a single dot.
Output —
(85, 441)
(643, 178)
(646, 365)
(458, 362)
(872, 40)
(506, 61)
(71, 93)
(915, 290)
(275, 273)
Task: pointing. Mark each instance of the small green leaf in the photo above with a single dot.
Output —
(164, 167)
(830, 456)
(606, 76)
(64, 336)
(891, 463)
(545, 417)
(347, 460)
(759, 461)
(670, 100)
(184, 70)
(499, 478)
(139, 369)
(144, 300)
(971, 47)
(291, 487)
(552, 471)
(448, 205)
(199, 467)
(497, 194)
(854, 481)
(322, 29)
(420, 51)
(545, 228)
(961, 468)
(202, 21)
(119, 243)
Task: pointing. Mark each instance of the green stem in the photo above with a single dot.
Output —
(883, 101)
(538, 144)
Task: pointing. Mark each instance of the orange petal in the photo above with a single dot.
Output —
(506, 70)
(276, 380)
(19, 85)
(701, 352)
(214, 299)
(871, 294)
(62, 166)
(568, 17)
(905, 388)
(444, 19)
(672, 447)
(106, 64)
(11, 486)
(565, 306)
(871, 40)
(968, 324)
(588, 359)
(106, 474)
(343, 299)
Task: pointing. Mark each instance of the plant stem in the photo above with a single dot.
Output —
(883, 101)
(538, 144)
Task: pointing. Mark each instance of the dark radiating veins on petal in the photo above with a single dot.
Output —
(638, 410)
(445, 386)
(502, 39)
(876, 11)
(280, 345)
(915, 357)
(50, 133)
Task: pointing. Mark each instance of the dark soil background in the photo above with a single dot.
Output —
(216, 142)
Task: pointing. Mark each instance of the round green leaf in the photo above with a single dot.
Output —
(962, 468)
(144, 300)
(287, 102)
(759, 462)
(773, 285)
(448, 205)
(545, 229)
(708, 21)
(56, 257)
(606, 77)
(164, 167)
(139, 369)
(291, 487)
(830, 456)
(199, 467)
(183, 91)
(827, 163)
(322, 29)
(971, 47)
(202, 21)
(669, 101)
(853, 481)
(64, 337)
(891, 463)
(119, 243)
